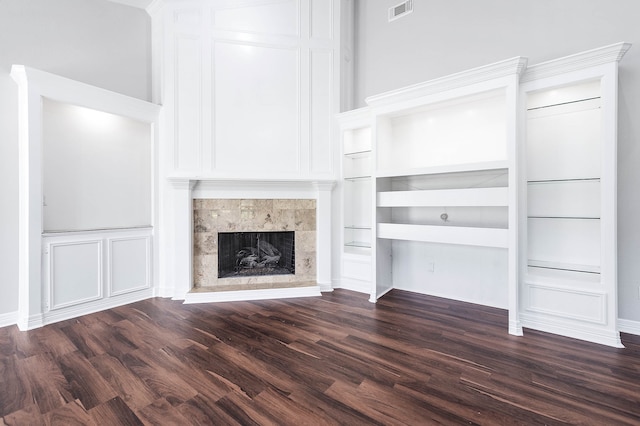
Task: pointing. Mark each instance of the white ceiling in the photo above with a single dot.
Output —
(141, 4)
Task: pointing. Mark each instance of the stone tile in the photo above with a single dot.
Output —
(205, 269)
(257, 204)
(306, 241)
(204, 220)
(283, 219)
(227, 220)
(306, 204)
(305, 266)
(205, 243)
(284, 204)
(223, 204)
(305, 220)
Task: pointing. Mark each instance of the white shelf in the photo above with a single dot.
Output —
(356, 154)
(486, 197)
(450, 168)
(592, 269)
(484, 237)
(360, 244)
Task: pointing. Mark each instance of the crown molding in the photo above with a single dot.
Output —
(354, 117)
(509, 67)
(65, 90)
(154, 7)
(578, 61)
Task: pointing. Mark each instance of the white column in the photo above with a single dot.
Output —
(182, 237)
(323, 232)
(30, 308)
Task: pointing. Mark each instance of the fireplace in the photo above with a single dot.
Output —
(253, 243)
(256, 253)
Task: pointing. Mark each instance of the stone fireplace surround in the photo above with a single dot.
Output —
(211, 216)
(185, 252)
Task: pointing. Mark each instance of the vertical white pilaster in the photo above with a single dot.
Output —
(182, 237)
(323, 228)
(30, 307)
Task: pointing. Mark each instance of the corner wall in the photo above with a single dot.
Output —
(95, 42)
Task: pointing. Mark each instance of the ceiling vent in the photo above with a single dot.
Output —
(400, 10)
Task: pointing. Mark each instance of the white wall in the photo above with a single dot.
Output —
(445, 36)
(96, 169)
(92, 41)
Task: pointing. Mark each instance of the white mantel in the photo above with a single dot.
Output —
(179, 254)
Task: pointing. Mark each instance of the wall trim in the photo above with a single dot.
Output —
(63, 314)
(9, 318)
(629, 326)
(590, 58)
(246, 295)
(564, 328)
(354, 285)
(509, 67)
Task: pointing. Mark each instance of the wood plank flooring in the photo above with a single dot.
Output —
(337, 359)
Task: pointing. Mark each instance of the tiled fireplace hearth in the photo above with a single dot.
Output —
(203, 208)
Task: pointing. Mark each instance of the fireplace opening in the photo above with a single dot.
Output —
(256, 253)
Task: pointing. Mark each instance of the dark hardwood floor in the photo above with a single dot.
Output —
(336, 359)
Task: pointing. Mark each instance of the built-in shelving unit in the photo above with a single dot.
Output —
(494, 186)
(445, 185)
(357, 218)
(568, 238)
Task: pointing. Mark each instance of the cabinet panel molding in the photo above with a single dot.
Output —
(75, 270)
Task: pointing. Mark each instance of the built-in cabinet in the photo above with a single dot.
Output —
(568, 237)
(493, 186)
(87, 179)
(357, 181)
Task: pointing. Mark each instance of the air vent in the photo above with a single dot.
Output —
(400, 10)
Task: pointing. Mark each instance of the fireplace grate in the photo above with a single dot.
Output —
(256, 253)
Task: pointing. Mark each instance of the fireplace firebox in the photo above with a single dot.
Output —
(256, 253)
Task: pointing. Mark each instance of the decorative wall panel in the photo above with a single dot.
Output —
(76, 273)
(261, 17)
(321, 23)
(250, 87)
(567, 303)
(188, 107)
(321, 101)
(256, 108)
(129, 264)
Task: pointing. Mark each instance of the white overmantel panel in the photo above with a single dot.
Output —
(250, 87)
(249, 90)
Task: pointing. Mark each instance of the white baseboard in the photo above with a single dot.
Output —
(326, 287)
(10, 318)
(373, 299)
(629, 326)
(354, 285)
(246, 295)
(96, 306)
(567, 329)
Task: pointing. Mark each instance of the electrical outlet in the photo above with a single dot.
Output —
(431, 267)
